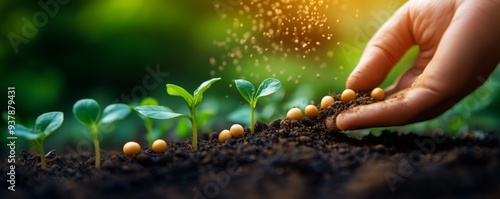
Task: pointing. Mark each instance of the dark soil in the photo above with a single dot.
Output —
(283, 159)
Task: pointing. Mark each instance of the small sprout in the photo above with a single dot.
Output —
(192, 101)
(378, 94)
(247, 90)
(131, 148)
(236, 130)
(159, 146)
(45, 124)
(327, 101)
(224, 135)
(311, 111)
(348, 95)
(87, 111)
(294, 114)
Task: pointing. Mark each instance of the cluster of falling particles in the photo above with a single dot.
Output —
(262, 30)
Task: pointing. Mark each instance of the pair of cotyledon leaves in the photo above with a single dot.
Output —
(267, 87)
(88, 112)
(192, 101)
(45, 124)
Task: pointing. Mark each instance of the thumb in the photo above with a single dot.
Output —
(382, 52)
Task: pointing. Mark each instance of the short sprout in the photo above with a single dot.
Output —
(378, 94)
(327, 101)
(294, 114)
(131, 148)
(311, 111)
(224, 135)
(159, 146)
(348, 95)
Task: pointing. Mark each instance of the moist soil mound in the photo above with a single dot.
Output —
(283, 159)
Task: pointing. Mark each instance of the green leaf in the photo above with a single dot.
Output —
(115, 112)
(48, 122)
(159, 112)
(246, 89)
(87, 111)
(149, 101)
(198, 93)
(26, 132)
(175, 90)
(267, 87)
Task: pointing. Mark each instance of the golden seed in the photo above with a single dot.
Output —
(131, 148)
(311, 111)
(224, 135)
(378, 94)
(236, 130)
(348, 95)
(327, 101)
(294, 114)
(159, 146)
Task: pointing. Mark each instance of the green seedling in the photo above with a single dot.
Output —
(148, 122)
(247, 90)
(45, 124)
(192, 101)
(88, 112)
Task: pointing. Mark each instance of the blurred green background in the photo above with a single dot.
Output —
(60, 51)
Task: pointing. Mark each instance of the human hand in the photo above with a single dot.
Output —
(459, 45)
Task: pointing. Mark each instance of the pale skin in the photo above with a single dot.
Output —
(459, 43)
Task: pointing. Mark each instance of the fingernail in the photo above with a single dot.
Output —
(330, 124)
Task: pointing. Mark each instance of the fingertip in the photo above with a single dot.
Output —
(330, 124)
(343, 121)
(382, 52)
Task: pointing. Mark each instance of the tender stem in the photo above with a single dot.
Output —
(252, 120)
(39, 146)
(96, 147)
(149, 128)
(193, 125)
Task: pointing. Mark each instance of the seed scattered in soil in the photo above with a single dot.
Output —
(131, 148)
(224, 135)
(311, 111)
(378, 94)
(294, 114)
(327, 101)
(348, 95)
(330, 114)
(236, 130)
(159, 146)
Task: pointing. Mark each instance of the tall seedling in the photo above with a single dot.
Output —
(192, 101)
